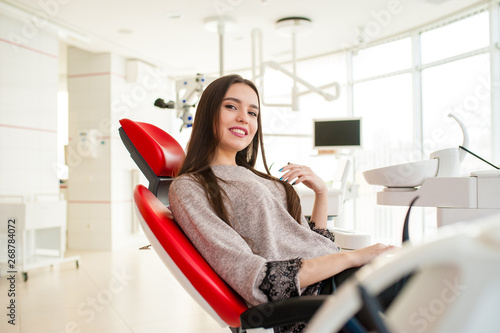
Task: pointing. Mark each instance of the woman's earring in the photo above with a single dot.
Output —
(249, 151)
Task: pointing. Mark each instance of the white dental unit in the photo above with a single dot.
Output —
(456, 281)
(436, 182)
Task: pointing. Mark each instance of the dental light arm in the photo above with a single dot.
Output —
(188, 92)
(162, 105)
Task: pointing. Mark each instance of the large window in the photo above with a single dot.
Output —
(385, 106)
(460, 87)
(453, 77)
(459, 37)
(403, 90)
(382, 59)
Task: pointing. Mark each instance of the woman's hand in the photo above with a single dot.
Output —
(296, 174)
(364, 255)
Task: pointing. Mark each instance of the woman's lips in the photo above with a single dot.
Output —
(239, 131)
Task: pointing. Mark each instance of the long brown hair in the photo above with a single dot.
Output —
(205, 138)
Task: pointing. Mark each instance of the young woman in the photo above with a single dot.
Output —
(248, 224)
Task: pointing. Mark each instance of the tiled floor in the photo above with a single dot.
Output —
(122, 291)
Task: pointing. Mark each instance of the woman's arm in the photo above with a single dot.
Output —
(319, 213)
(318, 269)
(296, 174)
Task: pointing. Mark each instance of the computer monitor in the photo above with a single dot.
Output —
(337, 133)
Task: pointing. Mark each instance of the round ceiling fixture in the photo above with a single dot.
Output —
(293, 25)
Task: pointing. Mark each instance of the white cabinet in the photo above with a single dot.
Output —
(33, 233)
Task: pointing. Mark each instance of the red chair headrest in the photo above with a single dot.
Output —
(162, 152)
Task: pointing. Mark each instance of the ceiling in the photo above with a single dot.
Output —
(171, 34)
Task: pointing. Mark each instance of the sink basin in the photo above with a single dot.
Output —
(410, 174)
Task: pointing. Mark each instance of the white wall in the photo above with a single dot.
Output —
(28, 110)
(101, 92)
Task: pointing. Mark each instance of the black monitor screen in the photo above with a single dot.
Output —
(337, 133)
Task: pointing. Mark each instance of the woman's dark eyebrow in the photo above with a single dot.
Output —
(253, 106)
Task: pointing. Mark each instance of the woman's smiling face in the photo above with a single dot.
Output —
(237, 120)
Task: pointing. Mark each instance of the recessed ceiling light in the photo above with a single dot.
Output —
(125, 31)
(173, 15)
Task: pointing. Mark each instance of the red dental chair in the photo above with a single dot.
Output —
(159, 157)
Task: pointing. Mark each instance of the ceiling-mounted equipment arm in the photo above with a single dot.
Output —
(291, 24)
(327, 96)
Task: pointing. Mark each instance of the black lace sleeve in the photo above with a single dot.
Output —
(279, 281)
(323, 232)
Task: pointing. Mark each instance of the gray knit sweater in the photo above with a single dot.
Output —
(259, 257)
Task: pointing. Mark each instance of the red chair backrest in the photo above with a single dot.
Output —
(162, 153)
(224, 301)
